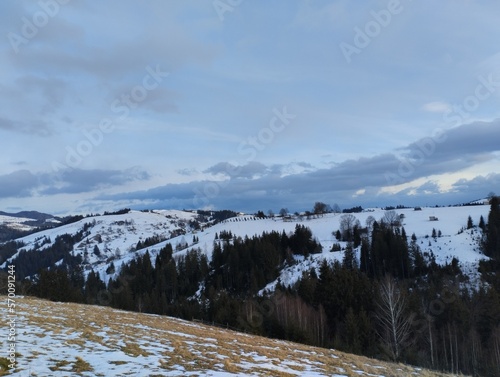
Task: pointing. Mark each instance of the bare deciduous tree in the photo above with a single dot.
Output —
(394, 323)
(347, 224)
(391, 218)
(369, 221)
(336, 208)
(320, 208)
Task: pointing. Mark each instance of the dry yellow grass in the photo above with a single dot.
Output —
(59, 365)
(4, 366)
(193, 347)
(134, 349)
(81, 365)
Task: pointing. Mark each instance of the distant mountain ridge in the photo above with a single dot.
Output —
(15, 225)
(35, 215)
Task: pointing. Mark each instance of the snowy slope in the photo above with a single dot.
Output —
(17, 223)
(116, 236)
(62, 339)
(26, 220)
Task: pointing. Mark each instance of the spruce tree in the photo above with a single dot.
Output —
(493, 229)
(364, 259)
(349, 261)
(470, 224)
(482, 225)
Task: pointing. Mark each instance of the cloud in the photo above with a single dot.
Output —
(454, 149)
(315, 16)
(188, 172)
(77, 181)
(257, 185)
(39, 128)
(249, 170)
(23, 183)
(20, 183)
(254, 169)
(429, 193)
(50, 91)
(437, 107)
(129, 47)
(491, 65)
(67, 76)
(159, 100)
(478, 184)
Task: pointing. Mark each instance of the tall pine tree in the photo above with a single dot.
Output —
(493, 229)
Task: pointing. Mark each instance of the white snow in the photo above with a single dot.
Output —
(16, 222)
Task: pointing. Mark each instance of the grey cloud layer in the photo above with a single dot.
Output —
(256, 183)
(459, 148)
(461, 143)
(23, 183)
(69, 69)
(17, 184)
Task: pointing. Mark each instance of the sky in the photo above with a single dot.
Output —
(247, 105)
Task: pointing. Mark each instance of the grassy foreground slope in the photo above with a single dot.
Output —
(62, 339)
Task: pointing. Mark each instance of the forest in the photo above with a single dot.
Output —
(392, 303)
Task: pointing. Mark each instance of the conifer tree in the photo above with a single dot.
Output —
(482, 225)
(352, 332)
(470, 224)
(349, 261)
(493, 229)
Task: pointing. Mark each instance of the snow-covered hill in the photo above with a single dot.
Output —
(62, 339)
(26, 220)
(113, 237)
(18, 223)
(116, 236)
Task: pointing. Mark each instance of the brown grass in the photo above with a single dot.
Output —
(118, 362)
(134, 350)
(4, 366)
(81, 366)
(195, 346)
(59, 365)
